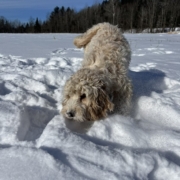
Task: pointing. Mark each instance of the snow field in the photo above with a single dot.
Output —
(36, 142)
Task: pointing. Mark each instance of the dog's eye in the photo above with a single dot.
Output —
(83, 96)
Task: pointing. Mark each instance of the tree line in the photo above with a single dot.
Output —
(127, 14)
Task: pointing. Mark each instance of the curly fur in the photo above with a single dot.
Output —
(102, 84)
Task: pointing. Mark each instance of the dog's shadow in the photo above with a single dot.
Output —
(146, 82)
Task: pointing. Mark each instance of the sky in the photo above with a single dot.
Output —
(23, 10)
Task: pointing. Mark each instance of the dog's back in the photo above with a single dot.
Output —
(104, 44)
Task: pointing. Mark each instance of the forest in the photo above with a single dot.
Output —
(129, 15)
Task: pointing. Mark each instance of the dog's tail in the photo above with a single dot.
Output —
(82, 40)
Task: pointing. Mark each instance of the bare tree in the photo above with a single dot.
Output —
(152, 7)
(164, 7)
(111, 9)
(132, 10)
(175, 13)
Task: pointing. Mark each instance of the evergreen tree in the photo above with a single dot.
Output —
(127, 14)
(37, 26)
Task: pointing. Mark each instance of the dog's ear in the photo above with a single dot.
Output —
(100, 105)
(84, 39)
(104, 101)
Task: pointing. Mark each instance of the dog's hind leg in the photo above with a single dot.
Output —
(122, 99)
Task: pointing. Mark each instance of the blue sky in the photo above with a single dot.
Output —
(24, 9)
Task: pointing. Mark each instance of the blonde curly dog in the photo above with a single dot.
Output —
(102, 85)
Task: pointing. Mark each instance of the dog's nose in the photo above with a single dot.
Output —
(70, 114)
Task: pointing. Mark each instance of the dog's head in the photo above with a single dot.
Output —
(85, 97)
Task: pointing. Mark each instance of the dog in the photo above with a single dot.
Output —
(101, 86)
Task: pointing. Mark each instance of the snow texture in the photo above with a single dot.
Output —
(37, 143)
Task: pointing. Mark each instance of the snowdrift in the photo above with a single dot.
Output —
(37, 143)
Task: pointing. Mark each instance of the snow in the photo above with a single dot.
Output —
(37, 143)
